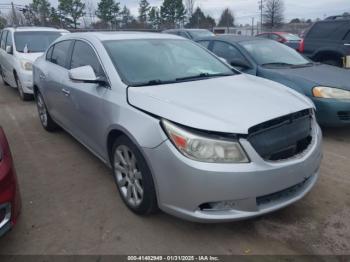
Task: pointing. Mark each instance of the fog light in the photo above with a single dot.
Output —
(218, 206)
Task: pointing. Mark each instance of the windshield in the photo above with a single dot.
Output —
(157, 61)
(267, 52)
(291, 37)
(34, 42)
(201, 33)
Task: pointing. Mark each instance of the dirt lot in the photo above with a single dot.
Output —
(71, 205)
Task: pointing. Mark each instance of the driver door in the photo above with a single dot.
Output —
(233, 56)
(87, 99)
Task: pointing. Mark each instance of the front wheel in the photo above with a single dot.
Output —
(333, 62)
(3, 77)
(45, 118)
(133, 177)
(22, 95)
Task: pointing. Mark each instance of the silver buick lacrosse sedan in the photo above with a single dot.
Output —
(181, 129)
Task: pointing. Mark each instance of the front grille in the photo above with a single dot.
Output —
(283, 194)
(344, 115)
(283, 137)
(2, 214)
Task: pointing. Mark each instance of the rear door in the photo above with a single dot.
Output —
(57, 83)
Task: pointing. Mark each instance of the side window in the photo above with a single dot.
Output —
(49, 53)
(263, 36)
(84, 55)
(275, 37)
(183, 34)
(60, 53)
(323, 30)
(204, 43)
(3, 39)
(9, 39)
(227, 51)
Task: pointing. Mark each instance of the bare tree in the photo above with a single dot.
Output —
(273, 13)
(90, 11)
(15, 17)
(189, 4)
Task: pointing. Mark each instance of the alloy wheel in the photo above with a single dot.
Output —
(128, 175)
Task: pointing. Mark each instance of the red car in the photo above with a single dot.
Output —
(10, 201)
(288, 39)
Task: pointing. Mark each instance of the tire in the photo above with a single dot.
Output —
(22, 95)
(2, 77)
(44, 116)
(332, 62)
(133, 177)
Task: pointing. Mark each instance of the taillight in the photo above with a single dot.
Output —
(301, 48)
(283, 40)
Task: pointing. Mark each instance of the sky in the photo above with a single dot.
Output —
(244, 10)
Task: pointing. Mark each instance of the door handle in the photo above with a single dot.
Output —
(347, 44)
(65, 92)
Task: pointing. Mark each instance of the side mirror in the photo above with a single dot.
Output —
(9, 49)
(240, 63)
(85, 74)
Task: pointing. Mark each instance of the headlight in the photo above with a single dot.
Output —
(26, 65)
(204, 149)
(329, 92)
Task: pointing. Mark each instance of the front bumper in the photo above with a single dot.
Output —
(184, 186)
(26, 78)
(332, 112)
(5, 222)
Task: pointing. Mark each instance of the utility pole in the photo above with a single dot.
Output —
(15, 21)
(252, 26)
(261, 7)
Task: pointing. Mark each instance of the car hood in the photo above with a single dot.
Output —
(319, 74)
(29, 56)
(227, 104)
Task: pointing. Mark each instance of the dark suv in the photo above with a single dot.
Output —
(328, 41)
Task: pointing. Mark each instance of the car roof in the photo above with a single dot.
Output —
(233, 38)
(276, 32)
(105, 36)
(186, 29)
(33, 28)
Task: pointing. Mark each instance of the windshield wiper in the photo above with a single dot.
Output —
(154, 82)
(277, 64)
(303, 65)
(202, 75)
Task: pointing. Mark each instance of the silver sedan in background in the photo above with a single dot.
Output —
(181, 130)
